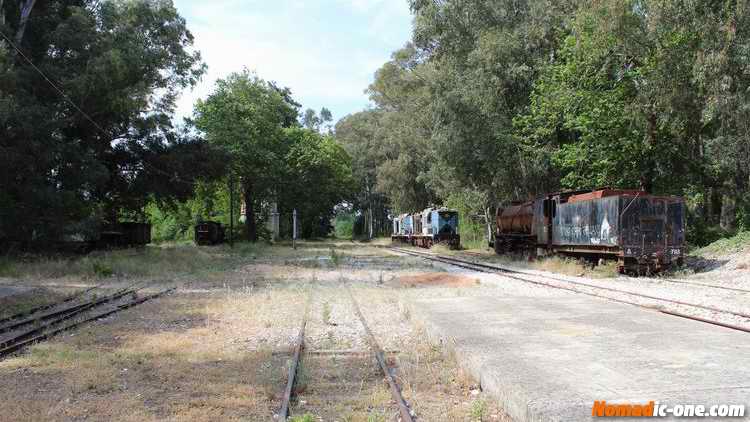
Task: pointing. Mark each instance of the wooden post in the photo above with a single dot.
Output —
(231, 211)
(294, 229)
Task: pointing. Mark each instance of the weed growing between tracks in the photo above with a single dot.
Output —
(218, 348)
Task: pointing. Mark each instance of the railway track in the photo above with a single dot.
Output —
(671, 280)
(713, 286)
(575, 286)
(38, 327)
(375, 349)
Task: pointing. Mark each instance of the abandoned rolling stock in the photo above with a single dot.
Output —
(644, 233)
(209, 233)
(427, 228)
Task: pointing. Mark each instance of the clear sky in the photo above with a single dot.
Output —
(326, 51)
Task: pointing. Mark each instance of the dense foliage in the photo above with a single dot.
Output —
(272, 156)
(500, 100)
(86, 93)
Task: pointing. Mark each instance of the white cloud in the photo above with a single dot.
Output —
(326, 53)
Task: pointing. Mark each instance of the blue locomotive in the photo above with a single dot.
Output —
(428, 227)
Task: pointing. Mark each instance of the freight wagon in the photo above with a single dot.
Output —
(123, 235)
(644, 233)
(209, 233)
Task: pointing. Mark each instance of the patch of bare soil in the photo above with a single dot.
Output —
(433, 279)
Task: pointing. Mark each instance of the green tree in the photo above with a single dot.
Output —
(246, 116)
(318, 177)
(95, 149)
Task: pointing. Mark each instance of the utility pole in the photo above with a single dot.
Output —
(294, 229)
(231, 211)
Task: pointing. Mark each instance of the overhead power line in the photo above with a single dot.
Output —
(75, 106)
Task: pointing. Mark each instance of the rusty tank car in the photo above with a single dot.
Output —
(644, 233)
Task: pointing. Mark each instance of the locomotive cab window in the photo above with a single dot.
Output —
(550, 208)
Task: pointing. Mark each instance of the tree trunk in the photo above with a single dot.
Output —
(727, 218)
(251, 230)
(26, 7)
(647, 177)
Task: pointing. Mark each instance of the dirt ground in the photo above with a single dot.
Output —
(218, 348)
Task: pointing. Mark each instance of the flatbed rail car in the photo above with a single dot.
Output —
(644, 233)
(426, 228)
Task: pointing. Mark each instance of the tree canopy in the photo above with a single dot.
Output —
(498, 100)
(86, 93)
(275, 159)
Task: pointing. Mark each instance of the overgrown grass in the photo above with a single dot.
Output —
(7, 267)
(736, 243)
(13, 304)
(576, 267)
(143, 262)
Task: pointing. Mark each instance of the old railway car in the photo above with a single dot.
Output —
(209, 233)
(123, 235)
(427, 228)
(644, 233)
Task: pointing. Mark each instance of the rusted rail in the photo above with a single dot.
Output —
(713, 286)
(298, 346)
(66, 313)
(380, 356)
(668, 280)
(514, 274)
(707, 321)
(20, 345)
(47, 306)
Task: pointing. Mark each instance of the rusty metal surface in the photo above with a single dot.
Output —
(646, 231)
(603, 193)
(707, 321)
(380, 356)
(45, 307)
(22, 344)
(67, 312)
(515, 219)
(298, 346)
(594, 222)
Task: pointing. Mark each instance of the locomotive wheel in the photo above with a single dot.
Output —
(499, 247)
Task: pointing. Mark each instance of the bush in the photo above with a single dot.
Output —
(735, 243)
(467, 203)
(344, 226)
(101, 270)
(701, 234)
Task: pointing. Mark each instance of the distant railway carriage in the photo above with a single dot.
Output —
(123, 235)
(209, 233)
(644, 233)
(427, 228)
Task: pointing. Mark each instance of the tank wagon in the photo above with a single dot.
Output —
(209, 233)
(428, 227)
(644, 233)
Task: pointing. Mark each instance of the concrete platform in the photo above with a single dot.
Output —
(549, 359)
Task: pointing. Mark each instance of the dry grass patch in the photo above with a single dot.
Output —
(574, 267)
(438, 389)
